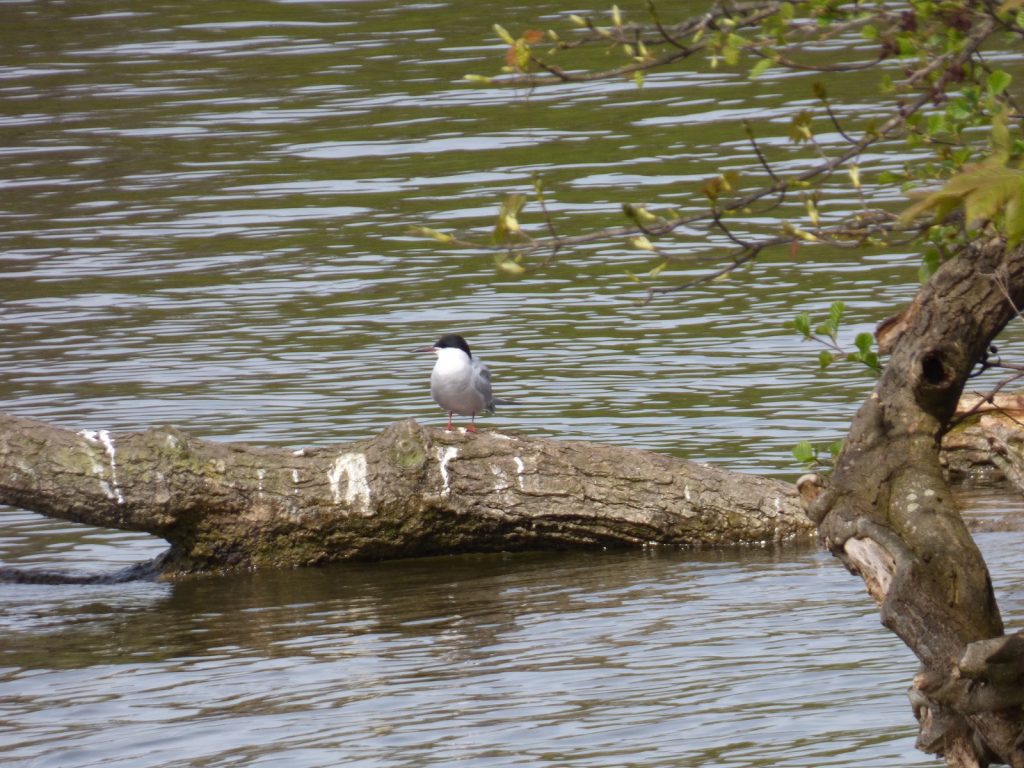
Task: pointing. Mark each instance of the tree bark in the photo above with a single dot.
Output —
(409, 491)
(888, 514)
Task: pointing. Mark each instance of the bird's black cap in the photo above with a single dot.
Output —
(453, 340)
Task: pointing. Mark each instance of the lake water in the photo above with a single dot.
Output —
(204, 221)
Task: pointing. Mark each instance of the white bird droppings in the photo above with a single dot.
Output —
(356, 494)
(501, 478)
(520, 468)
(111, 490)
(444, 456)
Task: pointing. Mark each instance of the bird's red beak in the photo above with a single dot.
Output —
(431, 348)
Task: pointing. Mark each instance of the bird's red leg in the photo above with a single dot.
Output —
(472, 424)
(449, 428)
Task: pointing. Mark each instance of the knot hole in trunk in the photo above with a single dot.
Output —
(934, 371)
(937, 385)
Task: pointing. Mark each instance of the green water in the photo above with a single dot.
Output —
(206, 211)
(204, 221)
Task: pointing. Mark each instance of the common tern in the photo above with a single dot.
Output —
(460, 383)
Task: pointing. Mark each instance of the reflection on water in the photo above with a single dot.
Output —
(204, 213)
(744, 658)
(752, 659)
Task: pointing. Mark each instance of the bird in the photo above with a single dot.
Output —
(460, 383)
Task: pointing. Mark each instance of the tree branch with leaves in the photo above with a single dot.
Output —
(885, 511)
(945, 90)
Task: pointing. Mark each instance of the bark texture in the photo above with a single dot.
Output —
(888, 514)
(410, 491)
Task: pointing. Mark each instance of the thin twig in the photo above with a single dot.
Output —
(989, 398)
(665, 36)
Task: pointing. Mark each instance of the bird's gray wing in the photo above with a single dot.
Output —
(482, 382)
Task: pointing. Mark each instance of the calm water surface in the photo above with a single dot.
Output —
(204, 215)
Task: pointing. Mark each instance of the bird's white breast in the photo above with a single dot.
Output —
(452, 385)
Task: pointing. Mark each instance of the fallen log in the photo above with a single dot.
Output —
(986, 443)
(409, 491)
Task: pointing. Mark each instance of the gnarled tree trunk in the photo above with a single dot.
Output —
(888, 513)
(410, 491)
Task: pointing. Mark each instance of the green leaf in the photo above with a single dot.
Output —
(441, 237)
(993, 193)
(800, 128)
(985, 190)
(960, 110)
(929, 264)
(998, 81)
(802, 323)
(638, 214)
(937, 124)
(1014, 220)
(510, 266)
(640, 242)
(825, 359)
(508, 217)
(759, 69)
(504, 34)
(863, 342)
(1002, 144)
(908, 44)
(804, 452)
(538, 185)
(835, 449)
(658, 269)
(736, 41)
(721, 185)
(835, 312)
